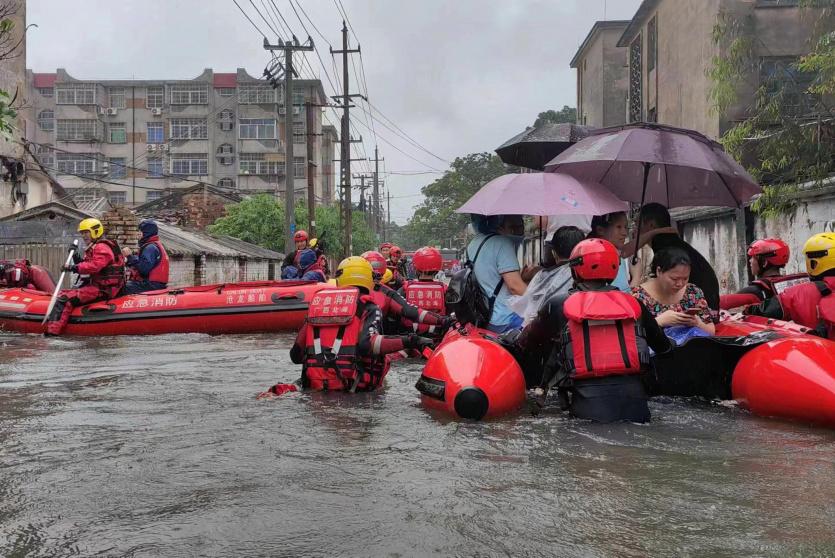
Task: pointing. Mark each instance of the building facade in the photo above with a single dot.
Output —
(602, 76)
(136, 140)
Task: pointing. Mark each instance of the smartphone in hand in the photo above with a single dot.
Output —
(692, 311)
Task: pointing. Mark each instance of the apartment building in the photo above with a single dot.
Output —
(133, 141)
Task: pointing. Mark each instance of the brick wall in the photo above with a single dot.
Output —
(199, 210)
(184, 272)
(120, 225)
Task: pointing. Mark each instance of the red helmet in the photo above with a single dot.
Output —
(395, 251)
(377, 261)
(427, 259)
(385, 245)
(300, 236)
(772, 251)
(595, 258)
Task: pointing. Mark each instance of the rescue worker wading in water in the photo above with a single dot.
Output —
(341, 345)
(425, 292)
(809, 304)
(766, 258)
(597, 337)
(103, 262)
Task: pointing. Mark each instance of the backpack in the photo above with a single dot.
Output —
(464, 296)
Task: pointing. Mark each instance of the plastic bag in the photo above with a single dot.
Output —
(543, 286)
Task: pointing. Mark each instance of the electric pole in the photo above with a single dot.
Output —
(388, 209)
(375, 214)
(311, 167)
(289, 161)
(346, 141)
(363, 188)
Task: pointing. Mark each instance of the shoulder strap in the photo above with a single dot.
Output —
(823, 288)
(480, 246)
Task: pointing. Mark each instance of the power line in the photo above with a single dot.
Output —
(269, 25)
(250, 19)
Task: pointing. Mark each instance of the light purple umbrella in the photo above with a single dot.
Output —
(653, 163)
(539, 193)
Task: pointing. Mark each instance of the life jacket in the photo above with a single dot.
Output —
(334, 322)
(826, 308)
(603, 336)
(18, 274)
(776, 284)
(41, 279)
(426, 295)
(111, 276)
(159, 273)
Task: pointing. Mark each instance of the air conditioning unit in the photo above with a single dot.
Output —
(282, 110)
(100, 110)
(163, 147)
(156, 111)
(297, 110)
(152, 147)
(112, 111)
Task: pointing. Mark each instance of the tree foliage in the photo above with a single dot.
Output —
(566, 115)
(260, 220)
(8, 49)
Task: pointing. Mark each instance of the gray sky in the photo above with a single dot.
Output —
(458, 76)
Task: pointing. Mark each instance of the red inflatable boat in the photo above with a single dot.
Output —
(471, 376)
(224, 308)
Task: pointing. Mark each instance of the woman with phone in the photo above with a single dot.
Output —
(669, 295)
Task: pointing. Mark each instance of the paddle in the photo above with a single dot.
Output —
(58, 284)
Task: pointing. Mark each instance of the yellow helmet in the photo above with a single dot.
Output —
(313, 242)
(387, 277)
(93, 225)
(355, 272)
(820, 253)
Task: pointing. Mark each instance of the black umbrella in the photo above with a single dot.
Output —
(535, 147)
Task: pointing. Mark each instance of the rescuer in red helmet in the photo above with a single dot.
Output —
(766, 258)
(425, 292)
(597, 338)
(301, 239)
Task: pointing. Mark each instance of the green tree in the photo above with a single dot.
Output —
(566, 115)
(8, 49)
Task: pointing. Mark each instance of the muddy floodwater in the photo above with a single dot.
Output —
(156, 446)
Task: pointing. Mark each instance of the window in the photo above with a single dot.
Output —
(117, 133)
(45, 154)
(77, 130)
(189, 128)
(227, 120)
(190, 164)
(117, 97)
(76, 163)
(780, 77)
(76, 94)
(46, 91)
(190, 94)
(256, 94)
(255, 128)
(82, 195)
(226, 183)
(156, 167)
(46, 120)
(636, 73)
(299, 167)
(225, 154)
(226, 91)
(156, 97)
(156, 132)
(256, 163)
(117, 197)
(652, 43)
(153, 195)
(299, 135)
(117, 167)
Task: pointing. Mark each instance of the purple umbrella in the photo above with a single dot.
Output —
(655, 163)
(540, 193)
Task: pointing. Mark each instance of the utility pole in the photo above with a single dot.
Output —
(311, 167)
(289, 175)
(388, 209)
(375, 214)
(346, 141)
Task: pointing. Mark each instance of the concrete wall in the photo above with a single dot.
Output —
(602, 81)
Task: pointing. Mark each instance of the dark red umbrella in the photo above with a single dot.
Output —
(534, 147)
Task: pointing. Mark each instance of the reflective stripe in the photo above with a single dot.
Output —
(378, 344)
(317, 346)
(337, 344)
(431, 329)
(422, 315)
(415, 326)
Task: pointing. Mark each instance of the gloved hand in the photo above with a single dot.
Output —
(73, 268)
(415, 341)
(510, 338)
(72, 248)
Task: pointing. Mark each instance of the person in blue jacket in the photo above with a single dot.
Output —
(148, 271)
(311, 269)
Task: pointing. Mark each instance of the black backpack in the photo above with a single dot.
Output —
(464, 296)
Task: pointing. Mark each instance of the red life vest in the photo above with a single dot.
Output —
(334, 321)
(776, 284)
(603, 336)
(112, 276)
(18, 274)
(159, 273)
(426, 295)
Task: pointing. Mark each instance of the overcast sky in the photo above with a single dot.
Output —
(458, 76)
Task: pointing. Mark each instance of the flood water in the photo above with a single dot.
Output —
(156, 446)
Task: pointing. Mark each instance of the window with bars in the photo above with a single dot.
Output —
(76, 163)
(117, 133)
(117, 197)
(81, 195)
(257, 128)
(226, 120)
(189, 128)
(117, 97)
(153, 195)
(45, 154)
(226, 91)
(77, 130)
(299, 135)
(226, 183)
(156, 96)
(46, 120)
(190, 164)
(299, 167)
(156, 167)
(636, 111)
(256, 94)
(46, 91)
(117, 167)
(156, 132)
(781, 78)
(225, 154)
(189, 94)
(652, 43)
(256, 163)
(75, 94)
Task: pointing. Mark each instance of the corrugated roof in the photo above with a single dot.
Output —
(225, 80)
(182, 242)
(95, 207)
(44, 80)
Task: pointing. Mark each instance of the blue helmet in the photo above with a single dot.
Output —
(307, 258)
(148, 228)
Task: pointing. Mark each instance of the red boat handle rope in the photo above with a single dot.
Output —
(277, 390)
